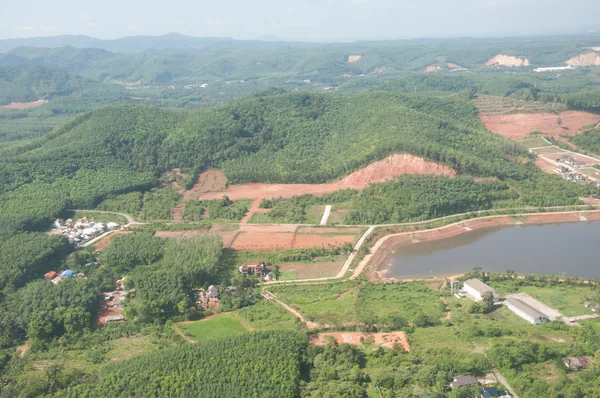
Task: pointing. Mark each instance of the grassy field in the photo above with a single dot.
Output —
(261, 218)
(548, 150)
(219, 326)
(535, 142)
(590, 172)
(293, 271)
(329, 304)
(566, 299)
(267, 315)
(404, 299)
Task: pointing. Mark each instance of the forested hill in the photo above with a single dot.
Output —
(177, 59)
(30, 82)
(292, 138)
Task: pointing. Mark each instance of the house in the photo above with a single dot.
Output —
(212, 292)
(493, 392)
(562, 169)
(464, 381)
(50, 275)
(259, 269)
(112, 226)
(577, 363)
(68, 274)
(59, 223)
(477, 290)
(526, 311)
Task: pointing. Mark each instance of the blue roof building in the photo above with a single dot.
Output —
(68, 273)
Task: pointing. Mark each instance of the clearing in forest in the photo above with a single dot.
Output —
(386, 340)
(517, 126)
(507, 60)
(24, 105)
(212, 328)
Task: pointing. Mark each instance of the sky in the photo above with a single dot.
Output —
(311, 20)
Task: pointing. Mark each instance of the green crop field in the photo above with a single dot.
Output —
(219, 326)
(568, 300)
(536, 142)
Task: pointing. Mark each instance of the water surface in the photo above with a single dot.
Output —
(567, 248)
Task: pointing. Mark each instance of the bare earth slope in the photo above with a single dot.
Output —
(380, 171)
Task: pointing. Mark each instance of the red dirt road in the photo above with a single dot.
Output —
(380, 171)
(517, 126)
(386, 340)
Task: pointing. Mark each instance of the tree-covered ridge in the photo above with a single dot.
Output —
(285, 138)
(179, 59)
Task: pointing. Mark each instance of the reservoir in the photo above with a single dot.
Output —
(568, 248)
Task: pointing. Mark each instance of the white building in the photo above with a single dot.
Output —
(526, 311)
(477, 290)
(553, 68)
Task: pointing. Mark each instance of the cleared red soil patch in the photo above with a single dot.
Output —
(272, 237)
(386, 340)
(546, 166)
(24, 105)
(380, 171)
(208, 181)
(308, 271)
(306, 241)
(105, 242)
(313, 230)
(517, 126)
(263, 241)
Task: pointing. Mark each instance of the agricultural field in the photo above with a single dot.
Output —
(496, 104)
(535, 142)
(222, 325)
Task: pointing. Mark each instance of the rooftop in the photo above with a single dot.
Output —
(479, 286)
(526, 308)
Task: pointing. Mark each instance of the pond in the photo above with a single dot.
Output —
(568, 248)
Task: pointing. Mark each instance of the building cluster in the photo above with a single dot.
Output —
(58, 276)
(83, 230)
(260, 270)
(477, 291)
(112, 304)
(566, 172)
(207, 299)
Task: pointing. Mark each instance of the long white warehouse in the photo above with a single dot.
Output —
(477, 289)
(526, 311)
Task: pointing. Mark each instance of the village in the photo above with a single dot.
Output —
(83, 231)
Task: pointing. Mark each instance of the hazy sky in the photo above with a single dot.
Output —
(298, 19)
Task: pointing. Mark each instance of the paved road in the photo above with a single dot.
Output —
(504, 382)
(326, 215)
